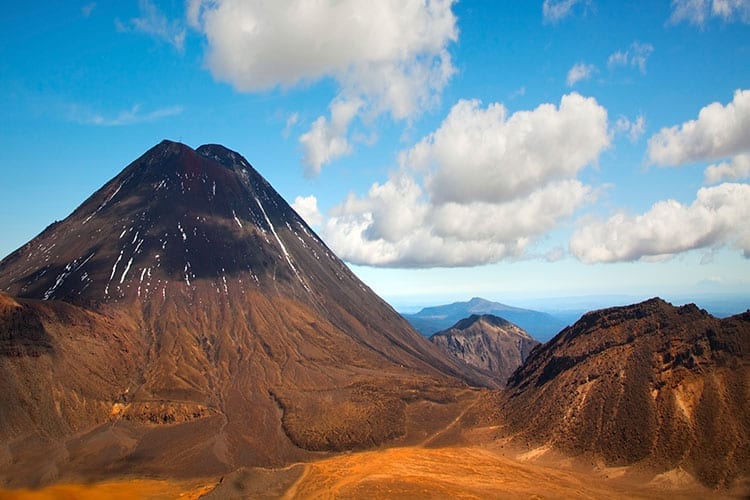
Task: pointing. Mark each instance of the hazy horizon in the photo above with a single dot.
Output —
(718, 304)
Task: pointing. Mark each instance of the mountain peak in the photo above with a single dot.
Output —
(218, 153)
(481, 305)
(435, 318)
(167, 147)
(187, 289)
(655, 309)
(224, 156)
(488, 343)
(489, 319)
(171, 218)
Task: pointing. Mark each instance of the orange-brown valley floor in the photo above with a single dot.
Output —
(115, 490)
(410, 472)
(457, 472)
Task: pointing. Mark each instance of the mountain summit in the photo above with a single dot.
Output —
(186, 306)
(172, 218)
(489, 343)
(433, 319)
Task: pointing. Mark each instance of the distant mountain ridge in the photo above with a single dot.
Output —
(430, 320)
(488, 343)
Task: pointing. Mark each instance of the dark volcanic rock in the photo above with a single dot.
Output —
(186, 306)
(21, 331)
(649, 383)
(489, 343)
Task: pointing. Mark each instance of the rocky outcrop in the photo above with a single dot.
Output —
(649, 384)
(488, 343)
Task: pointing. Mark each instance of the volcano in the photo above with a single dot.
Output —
(184, 320)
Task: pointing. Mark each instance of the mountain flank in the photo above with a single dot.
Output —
(650, 384)
(489, 343)
(184, 321)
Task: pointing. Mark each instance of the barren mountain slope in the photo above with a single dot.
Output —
(489, 343)
(185, 320)
(647, 384)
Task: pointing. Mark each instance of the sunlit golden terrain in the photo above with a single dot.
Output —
(410, 472)
(115, 490)
(461, 472)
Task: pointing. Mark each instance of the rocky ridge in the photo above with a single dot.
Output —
(650, 384)
(487, 342)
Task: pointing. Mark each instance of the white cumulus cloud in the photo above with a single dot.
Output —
(719, 216)
(482, 154)
(256, 45)
(737, 168)
(483, 187)
(152, 22)
(718, 132)
(697, 12)
(307, 208)
(327, 139)
(390, 54)
(634, 129)
(635, 56)
(555, 10)
(291, 121)
(580, 71)
(730, 10)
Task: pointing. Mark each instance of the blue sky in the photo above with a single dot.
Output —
(513, 150)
